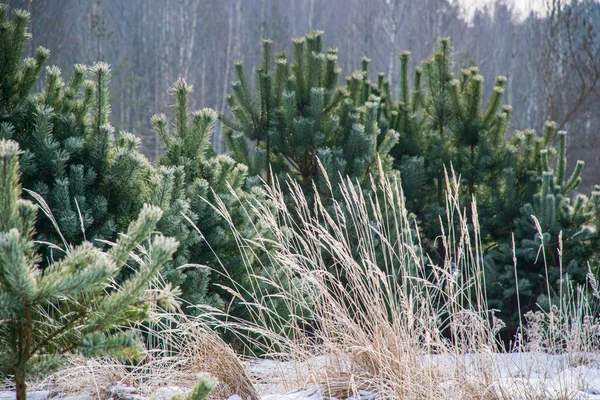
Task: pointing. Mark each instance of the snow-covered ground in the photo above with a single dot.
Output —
(513, 376)
(516, 375)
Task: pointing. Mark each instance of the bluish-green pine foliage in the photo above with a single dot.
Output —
(300, 116)
(94, 181)
(192, 180)
(73, 305)
(443, 122)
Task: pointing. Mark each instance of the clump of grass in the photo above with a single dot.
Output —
(196, 347)
(187, 351)
(352, 267)
(180, 351)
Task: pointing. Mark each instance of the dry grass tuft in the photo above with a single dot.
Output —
(351, 267)
(180, 350)
(200, 349)
(96, 376)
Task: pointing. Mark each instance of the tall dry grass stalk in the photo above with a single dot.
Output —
(196, 348)
(355, 287)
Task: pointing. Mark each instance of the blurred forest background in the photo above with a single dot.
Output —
(551, 57)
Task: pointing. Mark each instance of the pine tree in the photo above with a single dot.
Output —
(74, 304)
(194, 178)
(444, 123)
(94, 182)
(301, 115)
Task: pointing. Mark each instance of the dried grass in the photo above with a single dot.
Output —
(180, 350)
(384, 310)
(200, 349)
(354, 265)
(383, 317)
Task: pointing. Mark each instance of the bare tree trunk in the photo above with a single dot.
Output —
(29, 8)
(181, 21)
(228, 54)
(203, 82)
(311, 12)
(194, 6)
(20, 386)
(392, 36)
(511, 68)
(160, 70)
(263, 21)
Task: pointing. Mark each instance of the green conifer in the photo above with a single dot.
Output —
(74, 305)
(199, 392)
(95, 183)
(303, 128)
(193, 179)
(300, 115)
(443, 122)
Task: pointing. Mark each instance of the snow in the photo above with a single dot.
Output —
(518, 375)
(515, 376)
